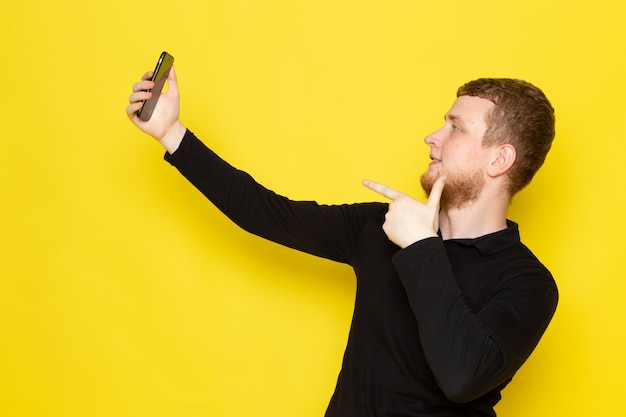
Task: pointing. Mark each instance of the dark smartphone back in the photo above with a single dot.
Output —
(162, 69)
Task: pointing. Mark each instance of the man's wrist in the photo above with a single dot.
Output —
(173, 137)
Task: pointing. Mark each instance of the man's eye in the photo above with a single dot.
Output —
(454, 127)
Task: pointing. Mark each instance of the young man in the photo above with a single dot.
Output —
(449, 302)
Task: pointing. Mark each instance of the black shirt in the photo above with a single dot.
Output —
(439, 328)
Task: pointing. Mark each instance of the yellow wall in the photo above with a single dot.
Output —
(124, 293)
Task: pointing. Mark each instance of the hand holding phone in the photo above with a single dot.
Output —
(161, 71)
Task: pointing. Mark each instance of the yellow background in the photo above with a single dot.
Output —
(124, 293)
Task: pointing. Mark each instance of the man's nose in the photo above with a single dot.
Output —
(433, 139)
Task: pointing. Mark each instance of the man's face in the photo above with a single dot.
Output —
(456, 150)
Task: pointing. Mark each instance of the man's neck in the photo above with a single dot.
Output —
(474, 220)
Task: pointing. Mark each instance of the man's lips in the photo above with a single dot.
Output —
(434, 160)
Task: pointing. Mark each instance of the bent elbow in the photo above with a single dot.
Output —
(463, 388)
(460, 390)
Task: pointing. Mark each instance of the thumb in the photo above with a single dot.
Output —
(435, 193)
(172, 82)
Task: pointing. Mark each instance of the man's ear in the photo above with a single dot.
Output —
(502, 160)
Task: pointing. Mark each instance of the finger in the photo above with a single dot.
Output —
(383, 190)
(147, 76)
(139, 96)
(172, 82)
(132, 109)
(143, 85)
(436, 191)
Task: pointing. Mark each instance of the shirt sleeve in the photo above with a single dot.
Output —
(473, 352)
(328, 231)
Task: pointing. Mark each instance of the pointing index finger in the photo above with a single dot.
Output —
(382, 189)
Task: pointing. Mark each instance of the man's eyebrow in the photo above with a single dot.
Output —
(453, 117)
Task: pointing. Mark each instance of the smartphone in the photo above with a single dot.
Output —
(162, 69)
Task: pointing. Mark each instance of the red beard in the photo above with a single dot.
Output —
(461, 189)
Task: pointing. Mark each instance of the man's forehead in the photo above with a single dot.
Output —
(469, 108)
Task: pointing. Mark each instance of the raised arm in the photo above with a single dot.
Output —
(322, 230)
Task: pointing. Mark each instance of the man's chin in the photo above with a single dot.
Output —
(428, 180)
(460, 190)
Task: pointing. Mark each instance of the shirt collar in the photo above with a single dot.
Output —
(492, 243)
